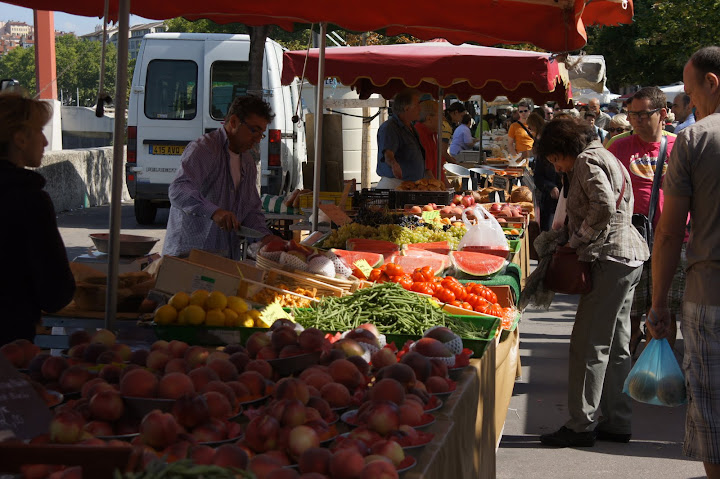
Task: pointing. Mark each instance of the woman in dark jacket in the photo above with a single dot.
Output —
(36, 274)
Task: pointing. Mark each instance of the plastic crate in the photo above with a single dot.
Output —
(327, 196)
(370, 198)
(400, 198)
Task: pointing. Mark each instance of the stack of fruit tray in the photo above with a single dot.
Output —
(400, 198)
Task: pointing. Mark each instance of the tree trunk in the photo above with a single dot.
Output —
(258, 35)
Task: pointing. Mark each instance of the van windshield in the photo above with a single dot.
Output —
(227, 81)
(171, 90)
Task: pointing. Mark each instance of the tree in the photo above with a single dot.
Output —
(655, 47)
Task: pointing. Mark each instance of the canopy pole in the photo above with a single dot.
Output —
(440, 116)
(482, 109)
(118, 159)
(318, 125)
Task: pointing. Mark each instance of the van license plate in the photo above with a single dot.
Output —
(166, 150)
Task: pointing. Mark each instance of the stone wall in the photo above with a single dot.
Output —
(80, 178)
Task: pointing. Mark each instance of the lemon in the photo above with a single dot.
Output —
(231, 317)
(179, 300)
(254, 313)
(248, 322)
(216, 300)
(195, 315)
(199, 297)
(166, 314)
(237, 304)
(182, 317)
(215, 317)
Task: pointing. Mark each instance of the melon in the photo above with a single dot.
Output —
(373, 259)
(440, 247)
(501, 251)
(385, 248)
(410, 260)
(476, 263)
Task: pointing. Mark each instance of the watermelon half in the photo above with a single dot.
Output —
(440, 247)
(410, 260)
(373, 259)
(477, 264)
(385, 248)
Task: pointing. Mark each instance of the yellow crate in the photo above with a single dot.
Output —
(325, 196)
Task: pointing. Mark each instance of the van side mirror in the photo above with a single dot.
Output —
(9, 84)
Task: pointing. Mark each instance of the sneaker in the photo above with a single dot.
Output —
(565, 437)
(612, 436)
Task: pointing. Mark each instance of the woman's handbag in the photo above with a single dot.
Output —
(644, 224)
(566, 273)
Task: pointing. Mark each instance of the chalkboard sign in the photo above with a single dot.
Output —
(22, 410)
(499, 181)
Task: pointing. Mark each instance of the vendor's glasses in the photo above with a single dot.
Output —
(616, 130)
(643, 115)
(254, 130)
(523, 111)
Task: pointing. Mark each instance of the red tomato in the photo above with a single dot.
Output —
(467, 306)
(445, 295)
(472, 299)
(393, 269)
(375, 274)
(405, 281)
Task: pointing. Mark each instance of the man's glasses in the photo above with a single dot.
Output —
(254, 130)
(523, 111)
(616, 130)
(643, 115)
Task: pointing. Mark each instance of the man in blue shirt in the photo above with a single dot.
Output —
(400, 155)
(683, 110)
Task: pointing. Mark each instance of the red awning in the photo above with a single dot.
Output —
(554, 25)
(463, 70)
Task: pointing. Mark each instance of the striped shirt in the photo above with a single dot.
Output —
(203, 185)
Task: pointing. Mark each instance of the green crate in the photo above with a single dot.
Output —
(505, 333)
(514, 246)
(205, 335)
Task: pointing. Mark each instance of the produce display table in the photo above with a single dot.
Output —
(60, 324)
(470, 423)
(511, 277)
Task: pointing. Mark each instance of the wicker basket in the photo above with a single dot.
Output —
(347, 286)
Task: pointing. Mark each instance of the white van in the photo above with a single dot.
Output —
(181, 89)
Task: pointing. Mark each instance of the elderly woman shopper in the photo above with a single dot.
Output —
(599, 208)
(37, 274)
(617, 125)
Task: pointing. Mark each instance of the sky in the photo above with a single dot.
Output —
(63, 21)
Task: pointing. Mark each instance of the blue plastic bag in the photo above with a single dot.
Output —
(656, 377)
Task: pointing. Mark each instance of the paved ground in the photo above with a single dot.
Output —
(539, 402)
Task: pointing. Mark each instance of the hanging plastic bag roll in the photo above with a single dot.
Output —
(656, 377)
(485, 234)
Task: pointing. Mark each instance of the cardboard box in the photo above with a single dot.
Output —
(176, 274)
(245, 269)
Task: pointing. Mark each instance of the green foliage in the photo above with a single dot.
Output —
(654, 49)
(20, 65)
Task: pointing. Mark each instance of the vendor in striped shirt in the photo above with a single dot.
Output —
(214, 191)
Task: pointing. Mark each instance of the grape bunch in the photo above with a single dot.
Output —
(395, 233)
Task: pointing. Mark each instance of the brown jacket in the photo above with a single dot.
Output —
(599, 228)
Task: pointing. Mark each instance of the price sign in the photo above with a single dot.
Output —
(500, 182)
(430, 216)
(364, 266)
(21, 409)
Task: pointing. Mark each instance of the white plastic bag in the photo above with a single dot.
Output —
(486, 233)
(560, 212)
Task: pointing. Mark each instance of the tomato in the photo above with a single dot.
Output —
(445, 295)
(422, 287)
(393, 269)
(472, 299)
(467, 306)
(405, 281)
(375, 275)
(456, 303)
(418, 276)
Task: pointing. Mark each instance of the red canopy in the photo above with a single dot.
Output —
(463, 70)
(554, 25)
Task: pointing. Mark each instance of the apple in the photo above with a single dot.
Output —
(468, 201)
(457, 199)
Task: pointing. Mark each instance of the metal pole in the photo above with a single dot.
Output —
(365, 148)
(117, 171)
(318, 125)
(482, 102)
(439, 132)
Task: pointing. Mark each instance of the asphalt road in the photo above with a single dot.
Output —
(539, 402)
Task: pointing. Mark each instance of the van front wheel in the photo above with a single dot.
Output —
(145, 212)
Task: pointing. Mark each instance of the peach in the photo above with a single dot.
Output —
(73, 378)
(284, 473)
(35, 365)
(288, 412)
(254, 381)
(321, 406)
(202, 455)
(383, 417)
(210, 431)
(111, 373)
(266, 353)
(174, 385)
(177, 365)
(66, 427)
(29, 350)
(103, 336)
(346, 373)
(106, 406)
(138, 383)
(301, 439)
(157, 360)
(331, 356)
(230, 455)
(52, 367)
(313, 370)
(387, 390)
(439, 368)
(99, 428)
(420, 364)
(108, 357)
(346, 464)
(159, 345)
(256, 342)
(379, 470)
(411, 413)
(312, 339)
(336, 395)
(222, 388)
(312, 414)
(201, 376)
(280, 456)
(234, 348)
(390, 449)
(158, 429)
(139, 357)
(292, 388)
(78, 337)
(225, 370)
(239, 360)
(291, 350)
(262, 465)
(400, 372)
(176, 451)
(349, 346)
(177, 348)
(436, 384)
(218, 405)
(360, 364)
(196, 355)
(261, 366)
(318, 380)
(78, 351)
(216, 355)
(315, 459)
(242, 393)
(262, 433)
(122, 350)
(94, 385)
(191, 410)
